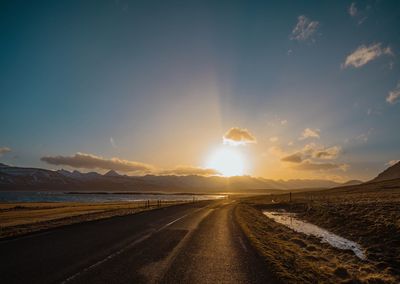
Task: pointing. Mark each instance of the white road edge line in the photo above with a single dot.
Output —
(242, 243)
(72, 277)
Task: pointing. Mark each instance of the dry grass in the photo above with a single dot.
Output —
(22, 218)
(369, 215)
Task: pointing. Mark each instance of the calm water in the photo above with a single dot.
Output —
(64, 197)
(290, 221)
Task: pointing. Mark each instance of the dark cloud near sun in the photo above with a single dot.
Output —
(313, 151)
(89, 161)
(239, 136)
(294, 158)
(190, 170)
(308, 165)
(314, 157)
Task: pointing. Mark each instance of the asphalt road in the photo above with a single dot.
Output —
(191, 243)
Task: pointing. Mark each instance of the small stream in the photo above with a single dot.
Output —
(290, 221)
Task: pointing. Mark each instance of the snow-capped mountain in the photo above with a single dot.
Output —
(26, 179)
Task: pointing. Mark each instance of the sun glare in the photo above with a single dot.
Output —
(227, 161)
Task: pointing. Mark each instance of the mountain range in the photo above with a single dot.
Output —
(36, 179)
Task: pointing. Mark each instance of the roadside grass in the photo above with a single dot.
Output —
(22, 218)
(369, 216)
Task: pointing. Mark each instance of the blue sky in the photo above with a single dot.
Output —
(160, 83)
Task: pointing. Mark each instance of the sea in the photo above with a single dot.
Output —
(23, 196)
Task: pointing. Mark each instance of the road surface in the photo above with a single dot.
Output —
(191, 243)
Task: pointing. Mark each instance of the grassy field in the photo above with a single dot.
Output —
(367, 214)
(22, 218)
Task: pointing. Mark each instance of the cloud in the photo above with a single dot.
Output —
(394, 96)
(363, 137)
(392, 162)
(238, 136)
(310, 133)
(313, 151)
(353, 10)
(328, 153)
(277, 122)
(364, 54)
(308, 165)
(190, 170)
(4, 150)
(113, 144)
(356, 13)
(304, 29)
(311, 157)
(293, 158)
(374, 110)
(273, 139)
(89, 161)
(276, 151)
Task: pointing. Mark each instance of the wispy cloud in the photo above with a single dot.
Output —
(304, 29)
(360, 138)
(394, 95)
(4, 150)
(313, 151)
(353, 10)
(310, 133)
(358, 14)
(312, 166)
(364, 137)
(277, 122)
(273, 139)
(190, 170)
(113, 144)
(89, 161)
(364, 54)
(374, 110)
(238, 136)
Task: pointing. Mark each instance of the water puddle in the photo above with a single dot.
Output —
(290, 221)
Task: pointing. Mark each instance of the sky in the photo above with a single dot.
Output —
(274, 89)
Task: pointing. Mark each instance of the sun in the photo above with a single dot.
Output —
(227, 161)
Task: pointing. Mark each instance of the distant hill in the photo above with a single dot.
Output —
(390, 173)
(33, 179)
(352, 182)
(385, 185)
